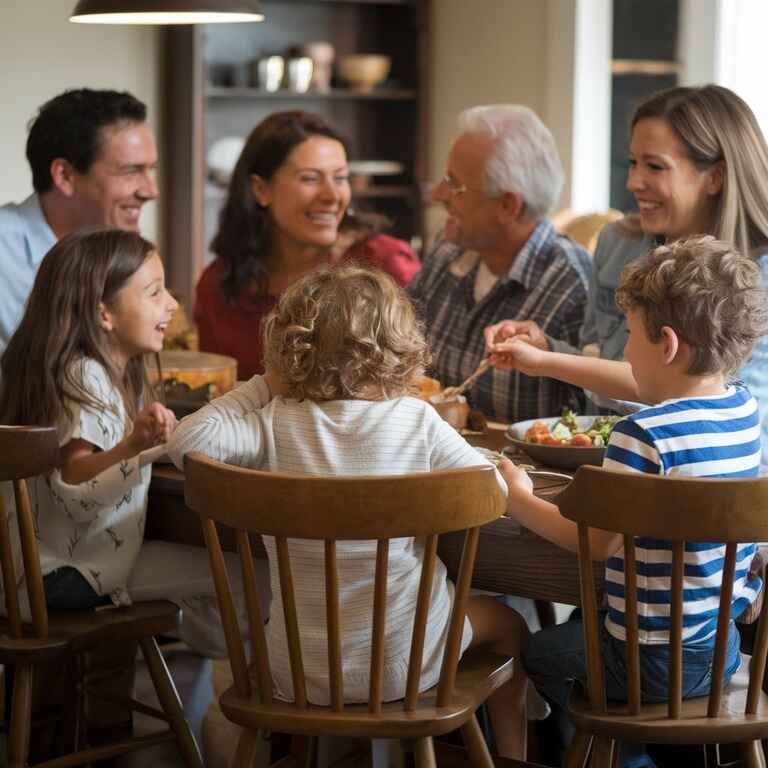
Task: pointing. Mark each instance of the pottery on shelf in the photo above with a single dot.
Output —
(322, 54)
(363, 71)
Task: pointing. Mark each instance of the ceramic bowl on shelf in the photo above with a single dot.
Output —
(363, 171)
(363, 71)
(223, 156)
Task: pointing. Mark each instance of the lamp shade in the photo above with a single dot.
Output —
(166, 11)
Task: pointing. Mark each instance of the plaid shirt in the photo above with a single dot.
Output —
(547, 283)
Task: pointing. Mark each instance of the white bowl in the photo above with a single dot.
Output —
(375, 168)
(223, 156)
(562, 456)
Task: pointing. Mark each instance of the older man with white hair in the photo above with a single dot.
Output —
(499, 258)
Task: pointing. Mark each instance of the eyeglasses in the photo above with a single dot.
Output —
(454, 187)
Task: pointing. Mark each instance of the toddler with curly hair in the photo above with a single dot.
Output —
(343, 351)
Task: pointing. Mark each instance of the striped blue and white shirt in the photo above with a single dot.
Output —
(689, 437)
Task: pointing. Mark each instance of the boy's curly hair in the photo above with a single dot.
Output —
(707, 292)
(345, 333)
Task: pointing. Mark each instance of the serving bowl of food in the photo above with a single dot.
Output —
(567, 441)
(452, 408)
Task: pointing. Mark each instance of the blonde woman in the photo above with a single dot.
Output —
(698, 164)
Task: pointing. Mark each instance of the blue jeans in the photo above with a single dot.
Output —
(66, 589)
(555, 658)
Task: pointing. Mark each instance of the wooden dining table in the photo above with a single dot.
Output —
(510, 559)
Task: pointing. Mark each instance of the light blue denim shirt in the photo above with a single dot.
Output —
(605, 324)
(25, 238)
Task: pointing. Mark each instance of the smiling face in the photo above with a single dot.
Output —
(308, 194)
(137, 318)
(472, 219)
(120, 180)
(675, 198)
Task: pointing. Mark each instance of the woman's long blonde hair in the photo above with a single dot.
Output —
(61, 326)
(716, 126)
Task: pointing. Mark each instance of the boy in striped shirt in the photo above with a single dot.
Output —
(694, 311)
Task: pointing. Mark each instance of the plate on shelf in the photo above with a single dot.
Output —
(375, 168)
(562, 456)
(223, 156)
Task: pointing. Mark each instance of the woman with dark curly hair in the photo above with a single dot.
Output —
(288, 196)
(343, 352)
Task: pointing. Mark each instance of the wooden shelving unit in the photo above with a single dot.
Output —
(383, 94)
(387, 123)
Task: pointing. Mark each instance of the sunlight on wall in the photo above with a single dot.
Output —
(740, 60)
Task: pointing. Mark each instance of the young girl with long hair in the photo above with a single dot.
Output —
(98, 305)
(343, 351)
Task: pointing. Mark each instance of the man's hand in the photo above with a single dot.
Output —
(510, 329)
(517, 355)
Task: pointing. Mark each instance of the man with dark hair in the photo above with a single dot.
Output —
(93, 158)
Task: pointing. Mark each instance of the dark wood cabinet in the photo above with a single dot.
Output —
(210, 94)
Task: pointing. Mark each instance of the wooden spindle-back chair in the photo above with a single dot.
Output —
(26, 452)
(332, 509)
(678, 510)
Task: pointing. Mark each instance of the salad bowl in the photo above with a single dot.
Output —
(562, 456)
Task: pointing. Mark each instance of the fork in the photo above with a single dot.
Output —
(451, 392)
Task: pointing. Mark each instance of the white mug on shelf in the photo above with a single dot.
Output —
(299, 74)
(270, 71)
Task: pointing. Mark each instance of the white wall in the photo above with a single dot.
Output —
(552, 56)
(483, 52)
(42, 54)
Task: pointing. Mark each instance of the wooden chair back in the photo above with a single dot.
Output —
(26, 452)
(335, 509)
(584, 228)
(679, 510)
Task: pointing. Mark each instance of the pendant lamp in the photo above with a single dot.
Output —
(166, 11)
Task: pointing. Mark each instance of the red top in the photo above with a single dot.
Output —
(235, 329)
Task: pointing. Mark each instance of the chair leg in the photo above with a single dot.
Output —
(247, 749)
(602, 752)
(304, 750)
(21, 717)
(424, 753)
(170, 703)
(474, 741)
(576, 755)
(752, 754)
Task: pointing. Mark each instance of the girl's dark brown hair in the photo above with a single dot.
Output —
(243, 236)
(61, 325)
